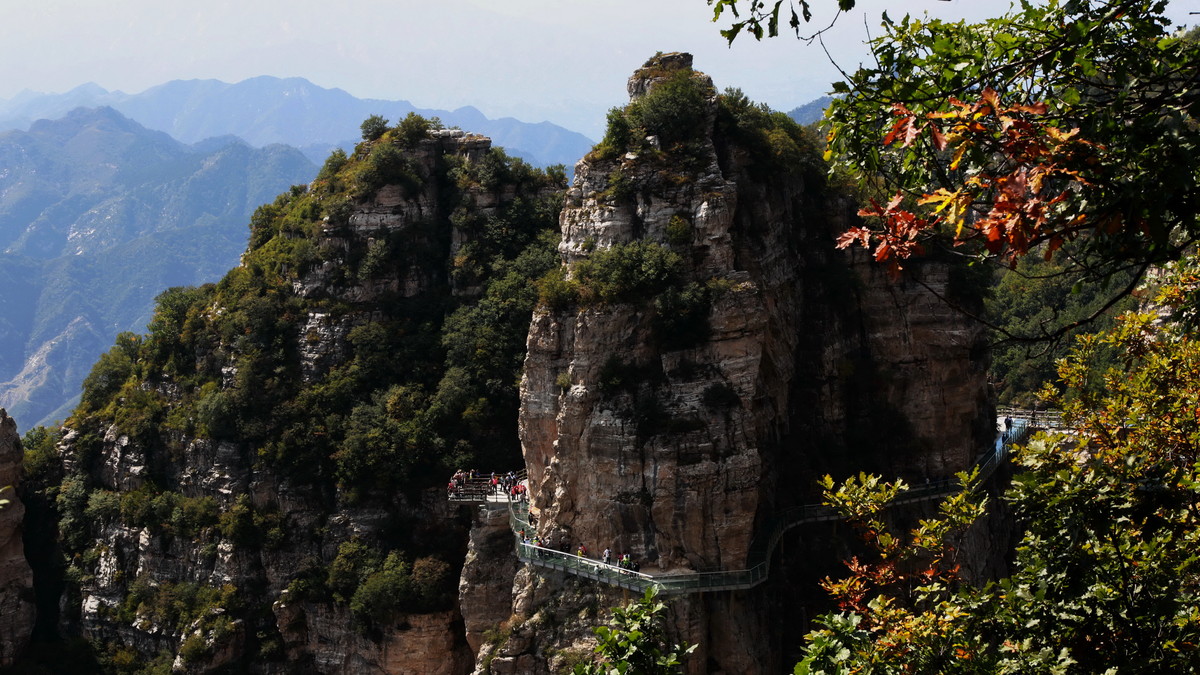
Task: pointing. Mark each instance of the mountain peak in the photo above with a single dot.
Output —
(88, 89)
(83, 116)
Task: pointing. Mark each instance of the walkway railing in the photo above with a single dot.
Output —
(726, 580)
(1037, 419)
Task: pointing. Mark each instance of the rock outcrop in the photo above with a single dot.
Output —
(678, 440)
(485, 587)
(191, 529)
(16, 578)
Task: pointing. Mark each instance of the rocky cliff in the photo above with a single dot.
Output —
(16, 578)
(671, 417)
(256, 484)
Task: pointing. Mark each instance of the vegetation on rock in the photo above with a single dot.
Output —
(427, 385)
(635, 641)
(674, 112)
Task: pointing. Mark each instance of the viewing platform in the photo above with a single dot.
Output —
(480, 490)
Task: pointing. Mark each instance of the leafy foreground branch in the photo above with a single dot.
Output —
(1106, 577)
(635, 643)
(1069, 121)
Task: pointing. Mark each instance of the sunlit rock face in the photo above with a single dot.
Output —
(677, 440)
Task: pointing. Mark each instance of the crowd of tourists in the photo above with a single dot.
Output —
(464, 484)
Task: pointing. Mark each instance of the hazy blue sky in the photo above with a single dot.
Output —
(561, 60)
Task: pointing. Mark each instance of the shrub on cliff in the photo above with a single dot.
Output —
(627, 272)
(373, 127)
(635, 641)
(386, 164)
(773, 142)
(638, 272)
(377, 587)
(618, 136)
(110, 372)
(333, 165)
(411, 129)
(384, 592)
(674, 109)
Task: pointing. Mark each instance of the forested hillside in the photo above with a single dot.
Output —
(698, 353)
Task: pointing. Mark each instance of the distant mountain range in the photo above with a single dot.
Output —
(98, 215)
(812, 111)
(293, 111)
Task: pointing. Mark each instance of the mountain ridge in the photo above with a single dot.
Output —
(98, 214)
(293, 111)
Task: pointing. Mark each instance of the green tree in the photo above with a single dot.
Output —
(413, 128)
(1036, 299)
(673, 110)
(1064, 122)
(1105, 579)
(373, 128)
(111, 371)
(336, 161)
(384, 592)
(635, 642)
(1068, 122)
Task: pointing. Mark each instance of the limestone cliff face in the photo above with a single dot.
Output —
(16, 579)
(809, 360)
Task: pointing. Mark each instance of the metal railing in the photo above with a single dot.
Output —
(726, 580)
(1037, 419)
(587, 568)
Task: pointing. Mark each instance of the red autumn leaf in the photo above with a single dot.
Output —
(990, 97)
(939, 140)
(1038, 108)
(900, 125)
(860, 235)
